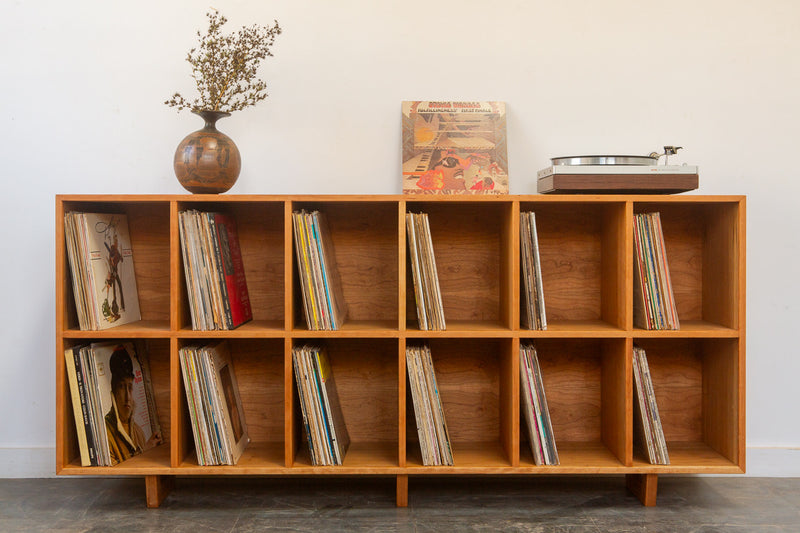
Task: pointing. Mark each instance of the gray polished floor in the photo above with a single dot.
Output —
(691, 504)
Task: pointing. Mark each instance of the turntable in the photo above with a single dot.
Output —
(617, 174)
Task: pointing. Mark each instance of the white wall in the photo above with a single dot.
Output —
(83, 84)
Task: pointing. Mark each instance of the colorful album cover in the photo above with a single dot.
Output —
(454, 148)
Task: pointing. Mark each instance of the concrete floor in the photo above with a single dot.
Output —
(551, 504)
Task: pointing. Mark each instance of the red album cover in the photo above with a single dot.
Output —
(233, 270)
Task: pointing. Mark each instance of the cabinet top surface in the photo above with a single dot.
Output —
(539, 198)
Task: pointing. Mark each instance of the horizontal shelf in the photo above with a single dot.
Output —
(354, 328)
(257, 458)
(254, 329)
(576, 328)
(689, 458)
(152, 462)
(461, 328)
(143, 329)
(690, 329)
(468, 457)
(384, 198)
(361, 458)
(575, 457)
(381, 459)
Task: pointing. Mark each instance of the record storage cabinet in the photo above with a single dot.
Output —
(586, 246)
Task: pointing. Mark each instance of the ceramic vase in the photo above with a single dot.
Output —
(207, 161)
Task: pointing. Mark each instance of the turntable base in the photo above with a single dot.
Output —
(617, 183)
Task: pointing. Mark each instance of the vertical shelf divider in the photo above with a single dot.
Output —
(288, 271)
(510, 297)
(614, 264)
(401, 403)
(509, 401)
(627, 257)
(62, 416)
(175, 274)
(291, 432)
(179, 441)
(615, 398)
(401, 266)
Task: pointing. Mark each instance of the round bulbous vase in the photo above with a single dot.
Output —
(207, 161)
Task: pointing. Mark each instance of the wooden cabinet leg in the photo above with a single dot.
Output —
(157, 488)
(402, 490)
(644, 487)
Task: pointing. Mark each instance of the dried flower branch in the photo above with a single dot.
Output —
(224, 67)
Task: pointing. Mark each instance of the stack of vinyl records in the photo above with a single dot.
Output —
(647, 423)
(101, 264)
(113, 402)
(323, 419)
(654, 302)
(215, 408)
(534, 317)
(534, 405)
(434, 440)
(323, 301)
(214, 271)
(427, 293)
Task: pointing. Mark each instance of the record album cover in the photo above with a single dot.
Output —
(454, 148)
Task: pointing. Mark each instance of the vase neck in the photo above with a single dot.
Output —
(211, 117)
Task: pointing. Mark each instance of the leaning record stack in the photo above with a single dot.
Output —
(434, 439)
(646, 420)
(427, 293)
(534, 407)
(534, 317)
(654, 306)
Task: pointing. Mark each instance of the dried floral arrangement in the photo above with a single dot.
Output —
(225, 66)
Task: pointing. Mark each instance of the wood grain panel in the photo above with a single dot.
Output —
(158, 353)
(180, 428)
(721, 396)
(572, 376)
(149, 226)
(468, 376)
(722, 269)
(684, 235)
(405, 410)
(259, 372)
(644, 487)
(366, 379)
(468, 245)
(616, 267)
(261, 240)
(616, 406)
(364, 239)
(157, 488)
(676, 367)
(510, 400)
(510, 300)
(570, 246)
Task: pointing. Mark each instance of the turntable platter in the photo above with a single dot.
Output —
(577, 160)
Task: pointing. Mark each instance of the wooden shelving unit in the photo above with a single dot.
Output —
(586, 247)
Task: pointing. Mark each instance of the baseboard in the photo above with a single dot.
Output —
(773, 462)
(40, 462)
(28, 462)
